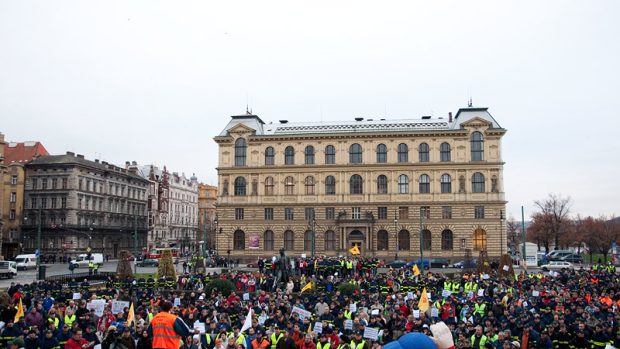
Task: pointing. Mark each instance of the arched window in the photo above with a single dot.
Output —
(289, 155)
(240, 150)
(425, 184)
(330, 241)
(423, 152)
(330, 155)
(355, 154)
(268, 240)
(308, 240)
(477, 183)
(403, 184)
(404, 243)
(309, 155)
(382, 240)
(309, 182)
(480, 240)
(240, 186)
(289, 240)
(447, 240)
(382, 186)
(381, 154)
(269, 186)
(446, 183)
(289, 186)
(427, 240)
(444, 152)
(269, 156)
(477, 146)
(330, 185)
(239, 240)
(403, 153)
(356, 184)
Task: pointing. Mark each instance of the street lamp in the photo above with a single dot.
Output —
(38, 241)
(501, 232)
(396, 233)
(313, 235)
(215, 223)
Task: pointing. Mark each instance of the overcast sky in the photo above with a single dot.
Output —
(155, 81)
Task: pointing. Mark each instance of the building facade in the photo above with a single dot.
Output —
(16, 156)
(207, 221)
(393, 188)
(80, 203)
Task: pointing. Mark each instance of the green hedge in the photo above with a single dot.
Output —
(224, 286)
(348, 289)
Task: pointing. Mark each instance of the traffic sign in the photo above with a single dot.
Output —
(36, 252)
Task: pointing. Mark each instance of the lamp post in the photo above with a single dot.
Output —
(313, 235)
(396, 233)
(215, 231)
(422, 238)
(501, 232)
(135, 244)
(39, 239)
(204, 236)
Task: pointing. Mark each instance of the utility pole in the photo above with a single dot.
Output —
(523, 232)
(313, 227)
(396, 233)
(501, 232)
(204, 237)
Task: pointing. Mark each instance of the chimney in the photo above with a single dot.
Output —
(284, 121)
(450, 117)
(70, 153)
(80, 156)
(359, 119)
(134, 163)
(127, 164)
(97, 160)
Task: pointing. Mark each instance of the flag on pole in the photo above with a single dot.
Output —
(248, 321)
(20, 311)
(307, 287)
(416, 270)
(131, 317)
(354, 250)
(423, 305)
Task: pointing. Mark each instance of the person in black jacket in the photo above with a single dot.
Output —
(48, 341)
(145, 342)
(286, 342)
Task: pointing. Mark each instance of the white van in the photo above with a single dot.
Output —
(8, 269)
(26, 261)
(82, 260)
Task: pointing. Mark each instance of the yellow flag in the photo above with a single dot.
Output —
(423, 304)
(20, 311)
(354, 250)
(416, 270)
(307, 287)
(131, 316)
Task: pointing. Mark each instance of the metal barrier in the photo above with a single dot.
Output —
(78, 277)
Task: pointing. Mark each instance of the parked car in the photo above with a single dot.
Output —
(432, 262)
(557, 255)
(556, 265)
(26, 261)
(82, 260)
(465, 264)
(148, 262)
(252, 264)
(397, 264)
(8, 269)
(573, 258)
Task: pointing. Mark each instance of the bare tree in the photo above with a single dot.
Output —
(513, 229)
(538, 231)
(555, 210)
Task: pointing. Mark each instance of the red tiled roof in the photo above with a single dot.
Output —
(23, 152)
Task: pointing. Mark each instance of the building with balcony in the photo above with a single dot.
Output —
(81, 203)
(394, 188)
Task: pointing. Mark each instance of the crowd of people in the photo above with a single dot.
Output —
(325, 304)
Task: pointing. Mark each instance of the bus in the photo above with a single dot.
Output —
(156, 253)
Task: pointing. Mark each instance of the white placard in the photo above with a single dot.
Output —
(535, 293)
(303, 255)
(470, 295)
(303, 314)
(97, 346)
(262, 319)
(353, 307)
(177, 301)
(371, 333)
(200, 326)
(98, 305)
(506, 268)
(486, 276)
(410, 295)
(348, 324)
(374, 312)
(77, 295)
(480, 292)
(434, 312)
(416, 314)
(446, 293)
(246, 296)
(119, 306)
(525, 303)
(428, 294)
(318, 327)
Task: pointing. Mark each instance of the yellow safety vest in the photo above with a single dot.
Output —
(69, 320)
(319, 345)
(274, 340)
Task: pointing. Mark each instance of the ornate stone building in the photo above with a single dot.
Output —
(83, 203)
(393, 188)
(207, 222)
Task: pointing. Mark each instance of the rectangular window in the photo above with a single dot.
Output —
(64, 183)
(13, 180)
(13, 197)
(309, 213)
(425, 212)
(479, 212)
(356, 213)
(330, 213)
(44, 183)
(446, 212)
(53, 202)
(382, 213)
(80, 184)
(54, 183)
(268, 213)
(289, 214)
(403, 212)
(34, 184)
(63, 203)
(33, 202)
(12, 214)
(43, 202)
(239, 214)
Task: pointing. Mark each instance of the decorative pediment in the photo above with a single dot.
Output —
(241, 130)
(476, 122)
